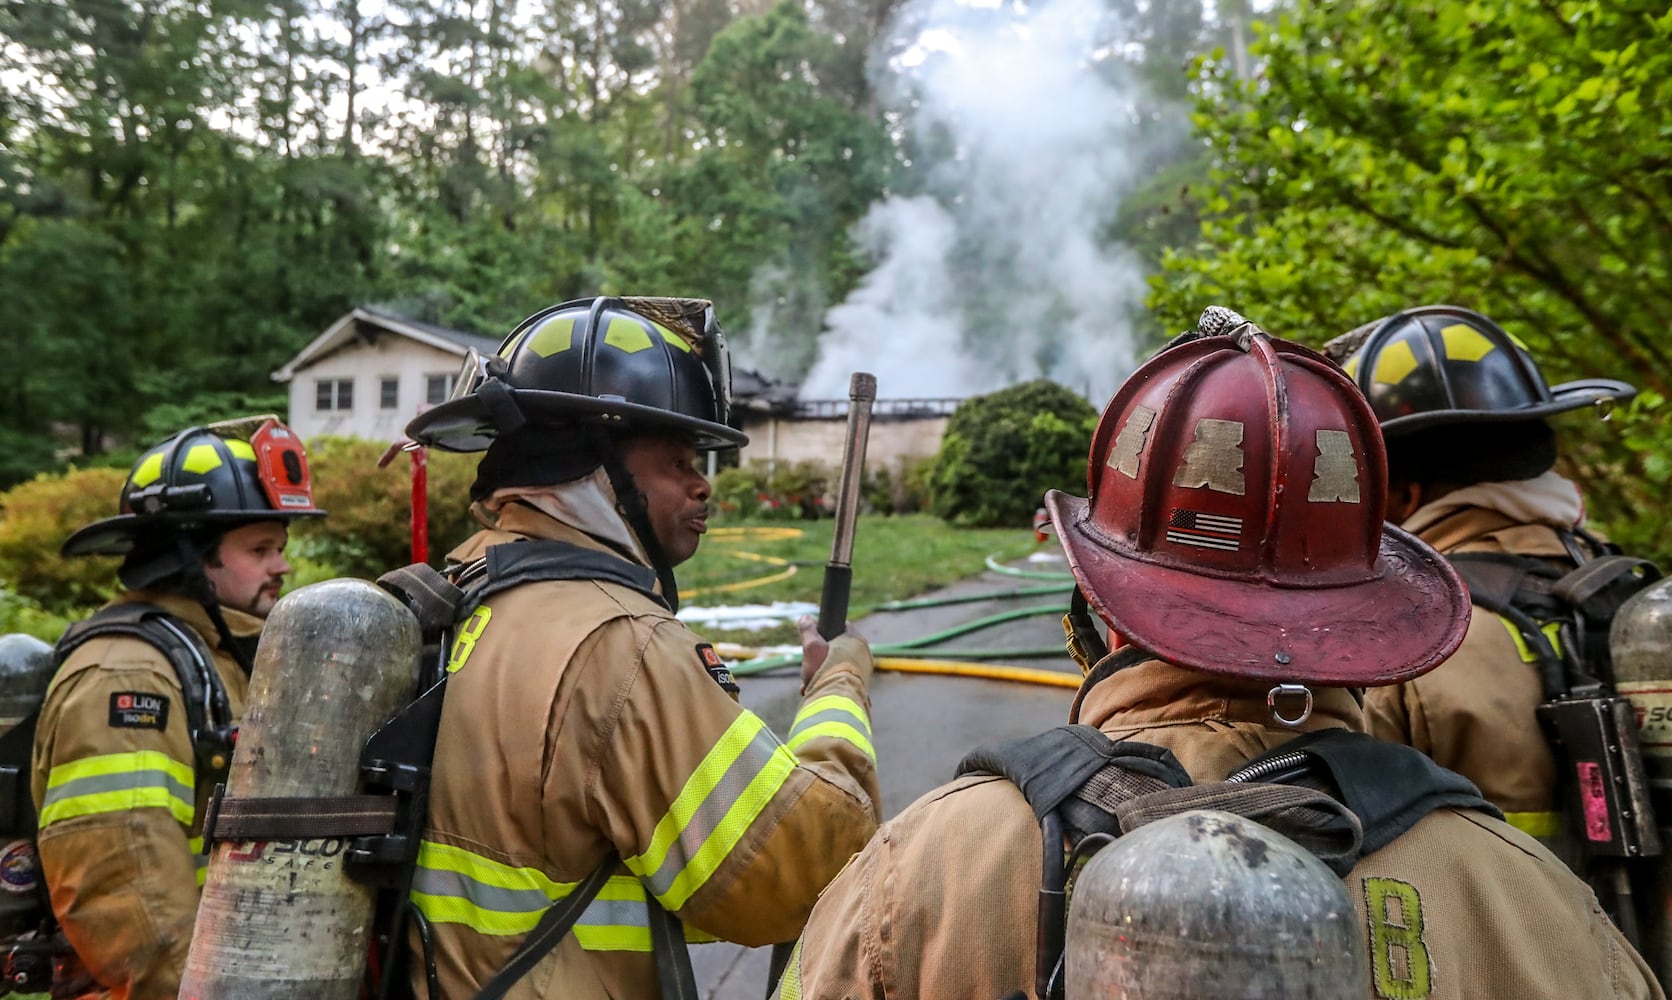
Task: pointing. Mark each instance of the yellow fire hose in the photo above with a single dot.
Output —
(894, 664)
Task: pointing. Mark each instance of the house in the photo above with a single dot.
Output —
(783, 428)
(371, 372)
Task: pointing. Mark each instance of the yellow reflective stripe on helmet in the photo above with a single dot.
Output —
(1396, 361)
(240, 449)
(835, 716)
(553, 337)
(456, 886)
(736, 779)
(627, 335)
(789, 987)
(116, 782)
(1465, 343)
(149, 468)
(201, 458)
(1551, 630)
(1536, 824)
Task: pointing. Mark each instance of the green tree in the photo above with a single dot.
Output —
(787, 157)
(1505, 155)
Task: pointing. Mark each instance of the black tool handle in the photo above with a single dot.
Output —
(833, 602)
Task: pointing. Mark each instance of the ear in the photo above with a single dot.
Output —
(1403, 500)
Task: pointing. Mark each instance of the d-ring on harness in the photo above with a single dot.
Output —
(1300, 691)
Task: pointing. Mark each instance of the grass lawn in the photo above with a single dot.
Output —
(894, 557)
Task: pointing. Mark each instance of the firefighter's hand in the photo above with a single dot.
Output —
(815, 649)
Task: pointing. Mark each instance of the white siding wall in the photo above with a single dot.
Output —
(367, 365)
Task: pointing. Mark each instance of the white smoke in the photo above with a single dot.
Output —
(999, 271)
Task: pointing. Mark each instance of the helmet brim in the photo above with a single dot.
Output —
(1563, 398)
(465, 425)
(1388, 629)
(116, 536)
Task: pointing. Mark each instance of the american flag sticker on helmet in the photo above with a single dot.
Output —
(1204, 530)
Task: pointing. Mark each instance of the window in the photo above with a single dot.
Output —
(334, 394)
(389, 393)
(438, 387)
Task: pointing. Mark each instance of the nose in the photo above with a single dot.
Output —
(281, 565)
(701, 490)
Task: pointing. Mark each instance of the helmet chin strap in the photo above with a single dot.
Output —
(633, 506)
(197, 586)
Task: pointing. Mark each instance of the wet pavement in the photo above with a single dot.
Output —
(921, 725)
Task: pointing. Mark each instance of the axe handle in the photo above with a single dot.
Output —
(838, 573)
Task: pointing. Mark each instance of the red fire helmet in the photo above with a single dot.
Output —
(1237, 486)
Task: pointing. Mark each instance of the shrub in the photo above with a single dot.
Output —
(1002, 451)
(20, 614)
(790, 491)
(369, 527)
(36, 517)
(899, 488)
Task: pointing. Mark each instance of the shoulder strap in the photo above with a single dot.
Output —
(554, 925)
(673, 958)
(538, 560)
(1502, 578)
(208, 711)
(1390, 787)
(1070, 769)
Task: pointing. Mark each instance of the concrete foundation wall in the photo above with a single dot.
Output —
(893, 440)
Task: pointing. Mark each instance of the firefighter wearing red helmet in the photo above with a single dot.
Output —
(1464, 410)
(590, 741)
(1234, 538)
(137, 726)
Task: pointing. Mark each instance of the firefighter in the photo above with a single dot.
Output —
(1234, 539)
(586, 731)
(1462, 407)
(137, 726)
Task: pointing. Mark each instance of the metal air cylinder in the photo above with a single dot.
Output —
(281, 918)
(26, 667)
(25, 672)
(1208, 904)
(1640, 642)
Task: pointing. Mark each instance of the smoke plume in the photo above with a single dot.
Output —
(991, 265)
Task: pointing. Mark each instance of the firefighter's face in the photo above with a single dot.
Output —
(248, 567)
(676, 493)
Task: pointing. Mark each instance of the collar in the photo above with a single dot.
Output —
(515, 521)
(1475, 513)
(241, 624)
(1155, 692)
(587, 504)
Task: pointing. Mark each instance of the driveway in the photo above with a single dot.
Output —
(921, 725)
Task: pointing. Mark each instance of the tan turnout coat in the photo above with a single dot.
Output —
(121, 802)
(1474, 712)
(940, 905)
(582, 722)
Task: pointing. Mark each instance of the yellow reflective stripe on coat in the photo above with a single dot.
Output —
(455, 886)
(117, 782)
(832, 715)
(200, 859)
(1551, 630)
(736, 779)
(1542, 825)
(789, 987)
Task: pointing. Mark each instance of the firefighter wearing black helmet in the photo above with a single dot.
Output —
(138, 724)
(589, 740)
(1464, 410)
